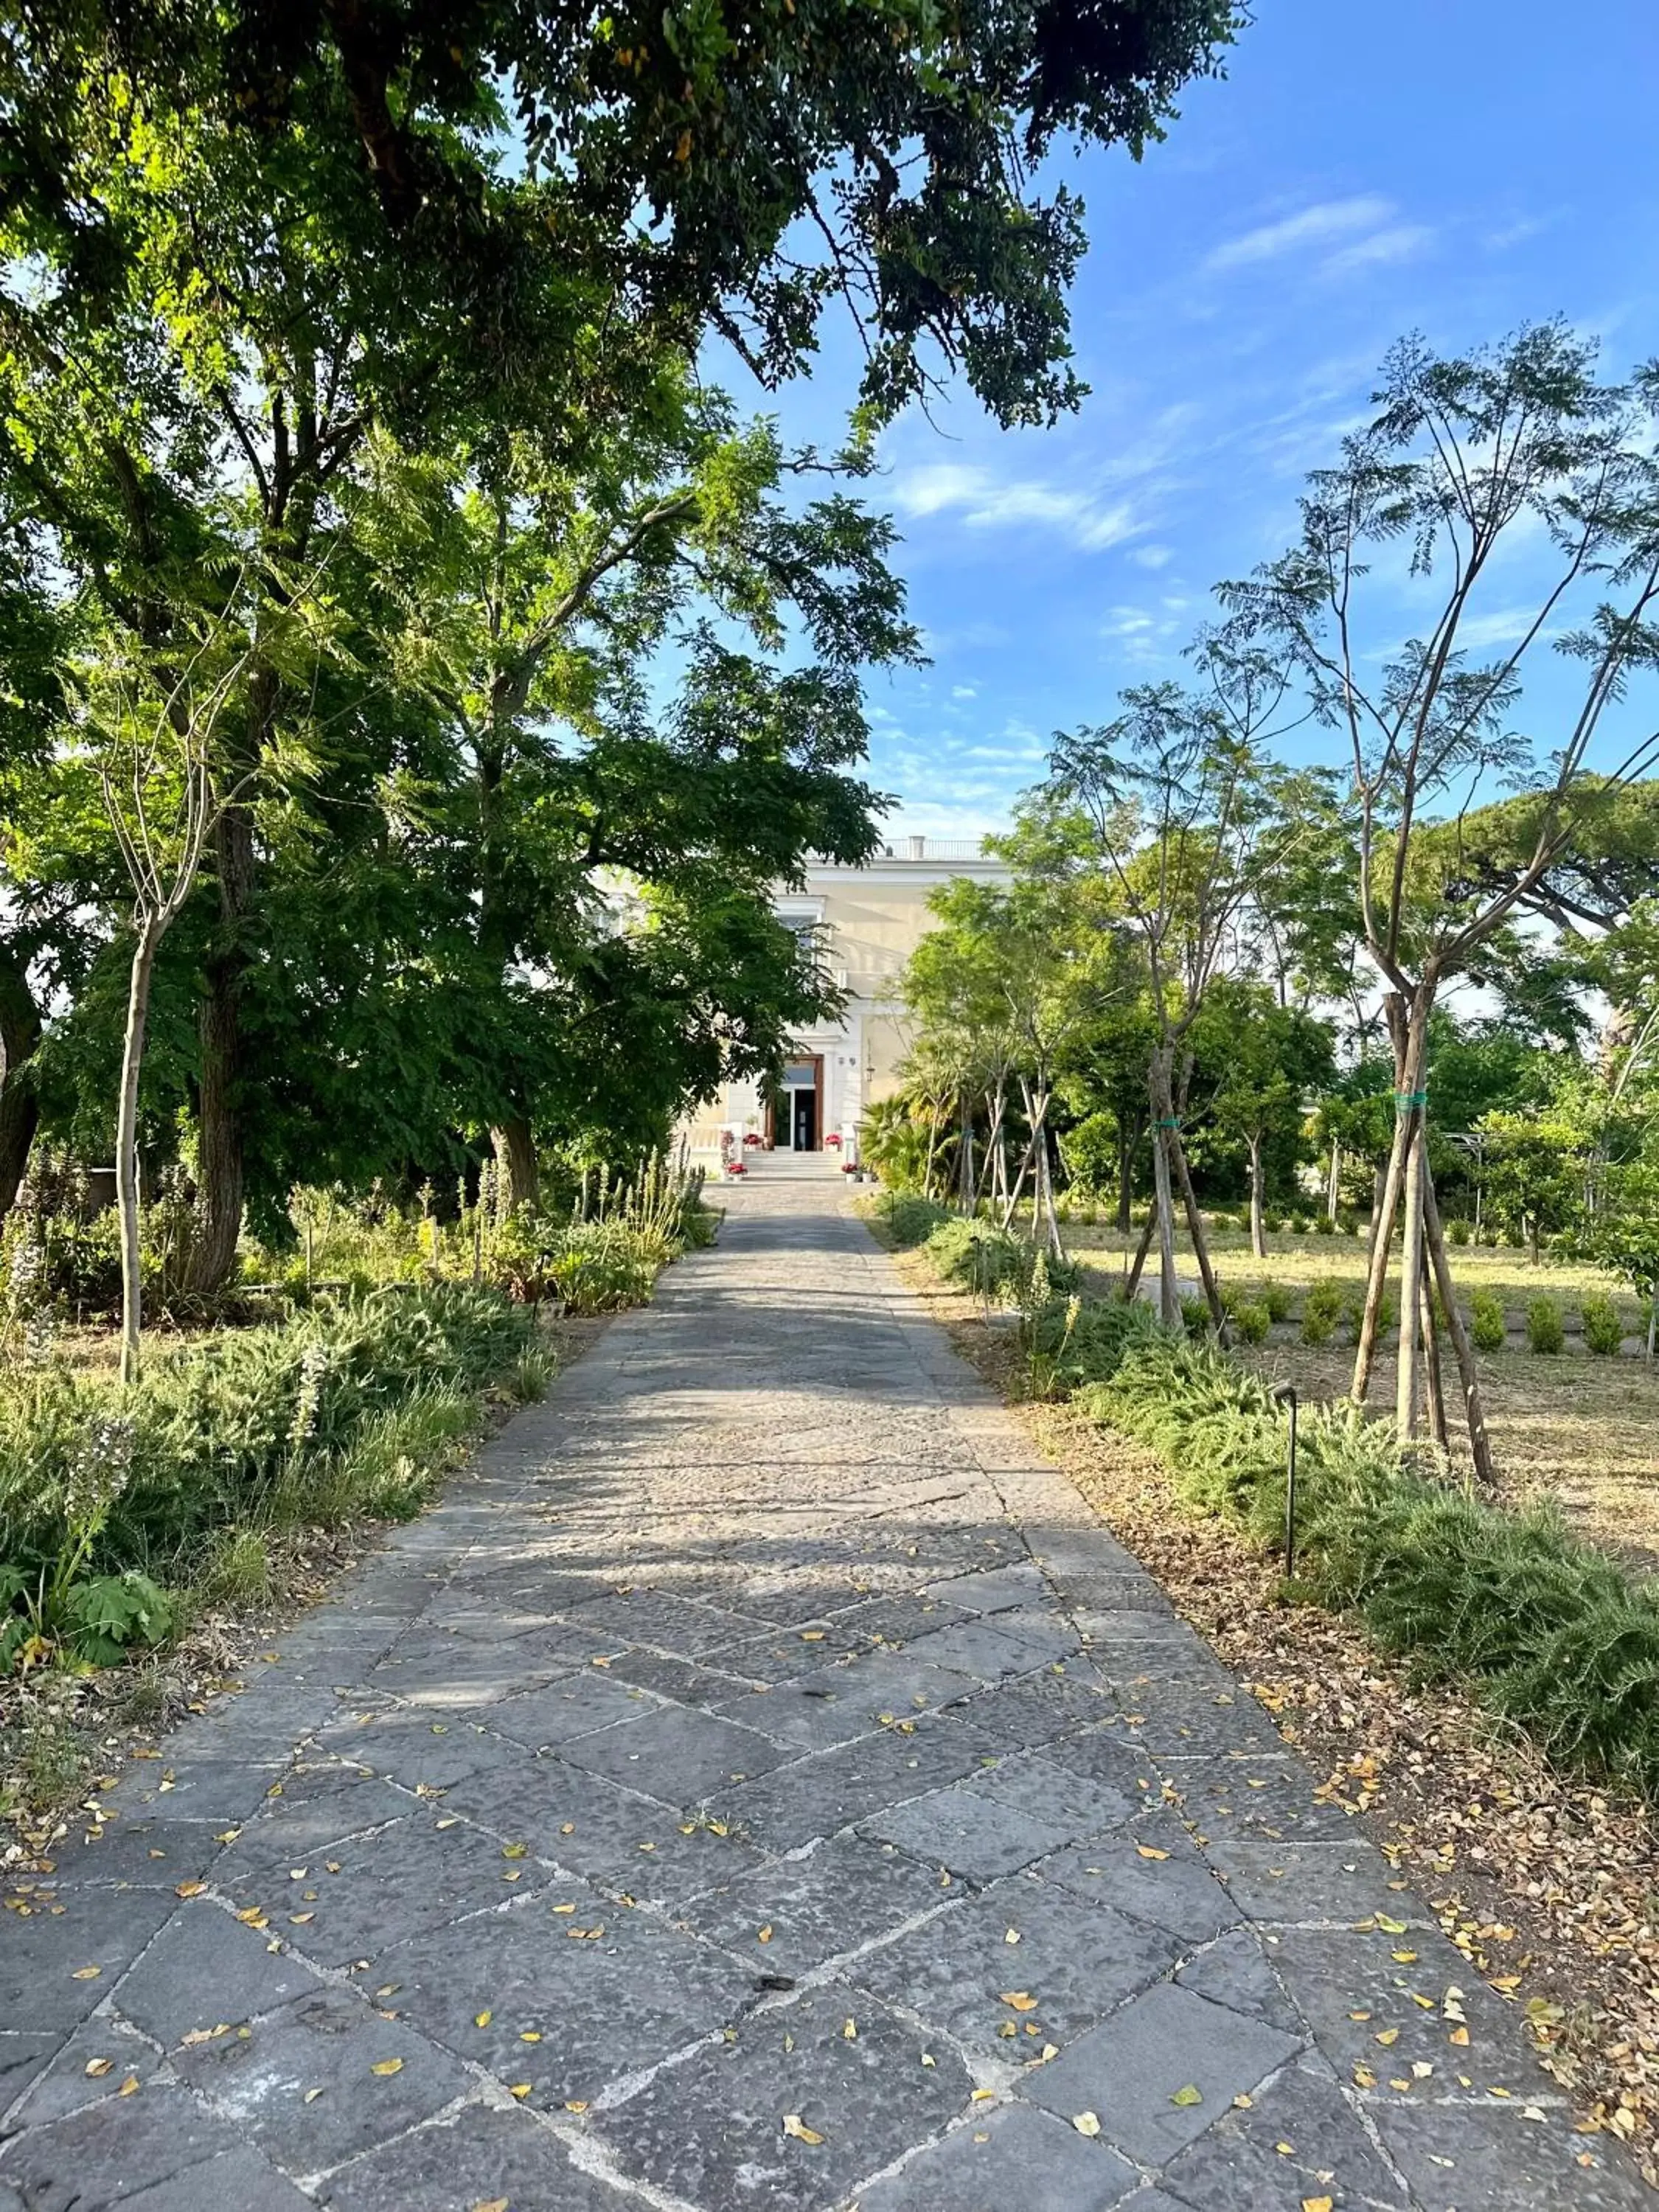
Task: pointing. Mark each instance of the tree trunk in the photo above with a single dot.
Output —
(1334, 1188)
(1132, 1280)
(967, 1184)
(514, 1146)
(1379, 1185)
(995, 1176)
(1044, 1196)
(20, 1105)
(1410, 1035)
(1474, 1411)
(220, 1106)
(126, 1147)
(1128, 1136)
(1432, 1375)
(1169, 1293)
(1010, 1203)
(1200, 1242)
(934, 1122)
(1411, 1286)
(1258, 1226)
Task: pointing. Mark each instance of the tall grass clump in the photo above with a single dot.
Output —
(910, 1219)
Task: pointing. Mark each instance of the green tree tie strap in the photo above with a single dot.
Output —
(1405, 1100)
(1167, 1122)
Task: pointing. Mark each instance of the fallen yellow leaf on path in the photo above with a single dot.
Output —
(1190, 2095)
(795, 2125)
(387, 2066)
(1087, 2124)
(1018, 2000)
(1151, 1851)
(128, 2086)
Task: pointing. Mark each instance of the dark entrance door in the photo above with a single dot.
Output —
(803, 1128)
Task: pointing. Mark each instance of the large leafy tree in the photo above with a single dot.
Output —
(668, 168)
(249, 241)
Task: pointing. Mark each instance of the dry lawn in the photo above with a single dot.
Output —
(1581, 1429)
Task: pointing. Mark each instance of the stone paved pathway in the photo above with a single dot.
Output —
(754, 1785)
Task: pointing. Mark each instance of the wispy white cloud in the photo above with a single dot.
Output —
(1147, 634)
(1515, 233)
(1152, 556)
(1496, 626)
(984, 501)
(1398, 241)
(1338, 236)
(963, 692)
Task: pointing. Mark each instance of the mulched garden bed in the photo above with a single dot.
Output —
(1549, 1887)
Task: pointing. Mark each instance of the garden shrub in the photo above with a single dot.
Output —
(1354, 1311)
(1546, 1628)
(1458, 1231)
(1322, 1309)
(1086, 1340)
(910, 1220)
(991, 1263)
(1488, 1326)
(1251, 1324)
(211, 1431)
(1276, 1298)
(1604, 1331)
(1323, 1225)
(1544, 1330)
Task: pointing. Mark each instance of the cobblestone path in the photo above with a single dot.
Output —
(758, 1783)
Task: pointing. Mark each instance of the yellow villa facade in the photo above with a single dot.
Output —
(866, 922)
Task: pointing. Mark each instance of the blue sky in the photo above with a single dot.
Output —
(1456, 167)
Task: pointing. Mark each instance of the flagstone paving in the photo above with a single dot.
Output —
(757, 1784)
